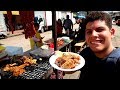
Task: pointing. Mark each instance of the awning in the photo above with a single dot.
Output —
(13, 12)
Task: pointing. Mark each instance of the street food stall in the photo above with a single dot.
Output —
(14, 65)
(36, 65)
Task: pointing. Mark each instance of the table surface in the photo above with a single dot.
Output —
(45, 53)
(65, 44)
(60, 47)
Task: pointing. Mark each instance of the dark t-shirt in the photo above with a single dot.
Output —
(67, 24)
(100, 69)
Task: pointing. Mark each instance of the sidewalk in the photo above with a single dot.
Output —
(19, 32)
(15, 33)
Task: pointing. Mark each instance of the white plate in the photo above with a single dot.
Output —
(66, 38)
(54, 57)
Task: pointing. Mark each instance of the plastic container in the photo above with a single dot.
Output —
(51, 45)
(12, 50)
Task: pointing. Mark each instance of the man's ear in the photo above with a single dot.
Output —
(112, 32)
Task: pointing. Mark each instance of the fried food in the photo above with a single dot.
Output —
(59, 61)
(67, 60)
(69, 64)
(18, 70)
(60, 42)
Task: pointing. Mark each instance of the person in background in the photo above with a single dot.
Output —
(102, 59)
(36, 19)
(59, 28)
(68, 25)
(81, 34)
(36, 41)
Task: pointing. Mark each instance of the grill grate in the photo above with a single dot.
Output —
(36, 71)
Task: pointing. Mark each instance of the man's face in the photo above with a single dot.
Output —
(98, 35)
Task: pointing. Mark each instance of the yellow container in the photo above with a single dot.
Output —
(2, 48)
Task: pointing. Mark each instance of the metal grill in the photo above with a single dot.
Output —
(32, 72)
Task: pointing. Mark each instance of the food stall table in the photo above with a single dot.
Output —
(66, 44)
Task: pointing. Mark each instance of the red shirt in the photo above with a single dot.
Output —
(59, 28)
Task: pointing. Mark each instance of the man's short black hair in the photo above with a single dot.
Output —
(99, 15)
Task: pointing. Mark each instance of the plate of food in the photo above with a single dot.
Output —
(66, 61)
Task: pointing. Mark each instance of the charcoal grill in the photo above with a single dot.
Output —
(36, 71)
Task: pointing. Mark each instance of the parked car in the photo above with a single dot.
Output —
(4, 33)
(3, 28)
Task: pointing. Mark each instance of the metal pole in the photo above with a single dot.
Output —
(54, 34)
(54, 31)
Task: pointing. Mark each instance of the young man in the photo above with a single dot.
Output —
(102, 59)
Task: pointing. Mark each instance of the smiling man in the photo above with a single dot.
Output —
(102, 59)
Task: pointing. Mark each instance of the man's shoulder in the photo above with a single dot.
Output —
(87, 51)
(70, 20)
(114, 56)
(116, 53)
